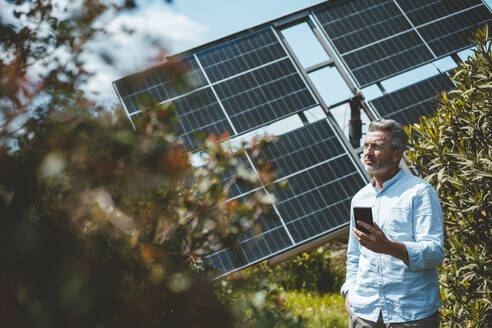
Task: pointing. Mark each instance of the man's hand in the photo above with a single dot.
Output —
(347, 304)
(377, 242)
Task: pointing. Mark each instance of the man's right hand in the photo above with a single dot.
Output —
(347, 304)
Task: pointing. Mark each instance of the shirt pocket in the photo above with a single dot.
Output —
(398, 223)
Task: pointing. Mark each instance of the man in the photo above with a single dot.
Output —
(391, 276)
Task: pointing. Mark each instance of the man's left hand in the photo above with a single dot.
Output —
(377, 242)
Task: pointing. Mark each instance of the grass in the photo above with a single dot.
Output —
(316, 310)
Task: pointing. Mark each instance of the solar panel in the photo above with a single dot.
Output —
(408, 104)
(249, 81)
(316, 201)
(373, 38)
(378, 39)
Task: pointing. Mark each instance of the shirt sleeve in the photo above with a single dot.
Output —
(353, 253)
(427, 251)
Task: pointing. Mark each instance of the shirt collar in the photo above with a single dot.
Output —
(389, 182)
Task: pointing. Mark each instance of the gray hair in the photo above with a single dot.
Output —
(399, 138)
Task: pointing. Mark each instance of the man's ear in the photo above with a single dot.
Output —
(397, 155)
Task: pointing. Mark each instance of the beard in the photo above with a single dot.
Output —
(377, 166)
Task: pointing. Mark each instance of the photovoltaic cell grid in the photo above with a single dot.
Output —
(384, 59)
(376, 39)
(408, 104)
(303, 148)
(250, 250)
(358, 23)
(264, 95)
(199, 112)
(240, 54)
(452, 34)
(316, 201)
(423, 11)
(252, 246)
(161, 83)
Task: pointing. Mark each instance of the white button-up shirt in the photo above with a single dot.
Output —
(408, 210)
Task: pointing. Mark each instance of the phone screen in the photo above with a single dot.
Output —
(363, 214)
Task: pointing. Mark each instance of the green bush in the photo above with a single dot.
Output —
(452, 150)
(311, 271)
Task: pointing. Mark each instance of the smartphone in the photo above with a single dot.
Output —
(363, 214)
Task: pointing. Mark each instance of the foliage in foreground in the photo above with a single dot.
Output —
(452, 150)
(100, 225)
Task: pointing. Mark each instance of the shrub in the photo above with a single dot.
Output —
(313, 271)
(452, 150)
(99, 224)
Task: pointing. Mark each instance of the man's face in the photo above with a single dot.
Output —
(379, 158)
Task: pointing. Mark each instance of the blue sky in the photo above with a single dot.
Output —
(224, 17)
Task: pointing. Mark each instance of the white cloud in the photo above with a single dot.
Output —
(155, 29)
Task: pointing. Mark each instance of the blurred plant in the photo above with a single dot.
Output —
(452, 150)
(101, 226)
